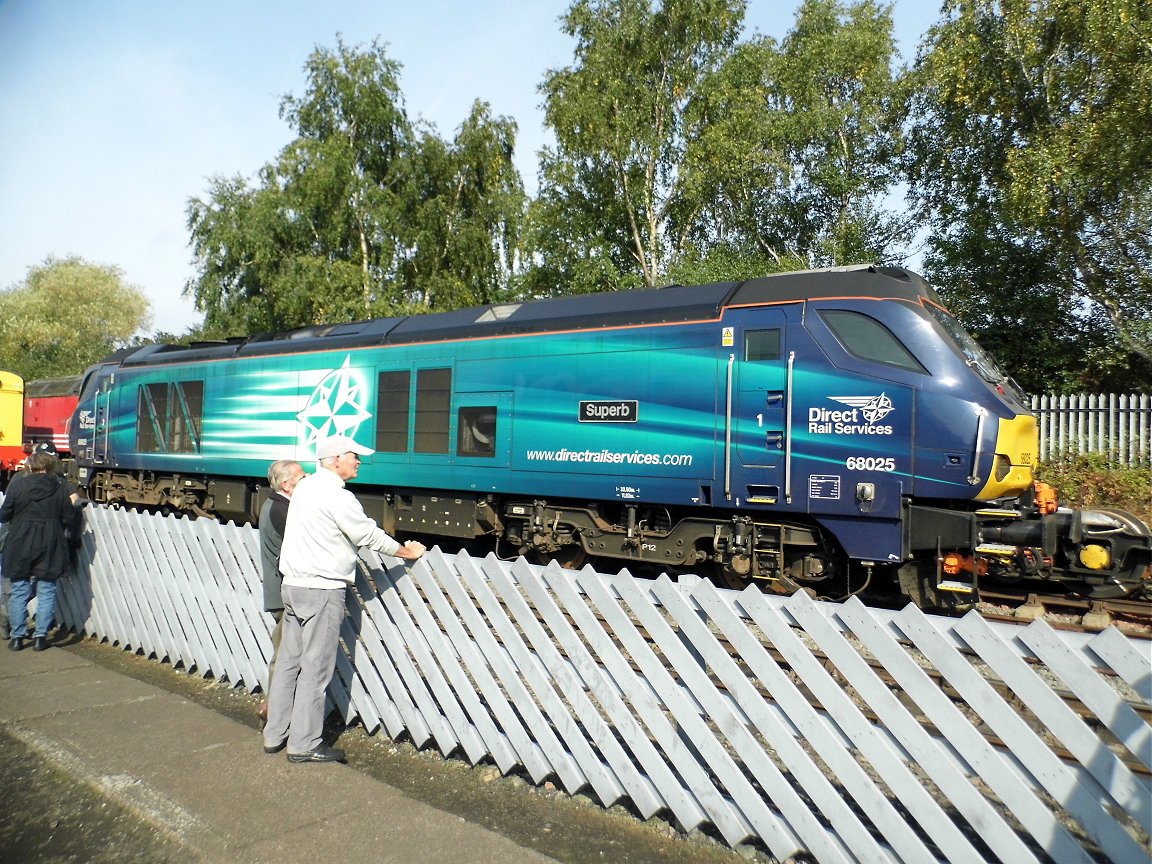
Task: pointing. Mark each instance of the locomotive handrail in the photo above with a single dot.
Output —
(100, 430)
(728, 431)
(788, 428)
(974, 477)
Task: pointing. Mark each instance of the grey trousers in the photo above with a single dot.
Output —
(309, 639)
(278, 615)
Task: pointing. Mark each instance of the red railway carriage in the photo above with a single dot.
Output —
(48, 406)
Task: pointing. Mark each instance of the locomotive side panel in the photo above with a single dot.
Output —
(630, 416)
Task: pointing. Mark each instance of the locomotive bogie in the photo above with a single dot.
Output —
(166, 492)
(738, 549)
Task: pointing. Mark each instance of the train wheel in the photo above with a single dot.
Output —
(570, 557)
(726, 577)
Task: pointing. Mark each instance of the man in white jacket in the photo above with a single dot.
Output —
(326, 527)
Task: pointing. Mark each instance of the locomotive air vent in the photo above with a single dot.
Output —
(497, 313)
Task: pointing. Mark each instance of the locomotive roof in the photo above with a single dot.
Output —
(69, 386)
(668, 305)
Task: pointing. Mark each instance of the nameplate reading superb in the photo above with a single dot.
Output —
(610, 412)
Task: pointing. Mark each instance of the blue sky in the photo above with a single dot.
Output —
(113, 113)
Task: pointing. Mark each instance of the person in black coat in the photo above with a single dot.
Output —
(38, 509)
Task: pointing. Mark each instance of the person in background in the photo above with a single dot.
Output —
(326, 527)
(283, 475)
(38, 510)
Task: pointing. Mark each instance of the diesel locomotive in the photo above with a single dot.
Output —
(815, 430)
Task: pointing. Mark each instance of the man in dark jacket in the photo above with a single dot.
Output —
(283, 475)
(38, 509)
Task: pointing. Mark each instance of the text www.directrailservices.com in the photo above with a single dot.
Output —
(610, 457)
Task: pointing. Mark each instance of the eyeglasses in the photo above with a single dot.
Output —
(355, 456)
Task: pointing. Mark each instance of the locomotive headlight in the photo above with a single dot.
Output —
(1095, 557)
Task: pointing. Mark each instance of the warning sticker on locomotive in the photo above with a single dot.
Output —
(862, 416)
(824, 486)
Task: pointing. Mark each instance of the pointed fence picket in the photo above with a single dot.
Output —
(1116, 425)
(835, 731)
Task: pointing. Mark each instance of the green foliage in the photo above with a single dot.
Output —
(363, 214)
(1095, 480)
(1029, 156)
(464, 208)
(797, 144)
(66, 315)
(677, 146)
(603, 217)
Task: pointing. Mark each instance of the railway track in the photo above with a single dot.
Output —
(1066, 612)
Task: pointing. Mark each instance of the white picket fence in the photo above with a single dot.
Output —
(834, 731)
(1119, 426)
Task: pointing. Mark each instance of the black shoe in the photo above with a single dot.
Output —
(275, 748)
(39, 643)
(323, 753)
(16, 643)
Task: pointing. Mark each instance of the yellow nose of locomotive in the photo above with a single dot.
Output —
(1013, 464)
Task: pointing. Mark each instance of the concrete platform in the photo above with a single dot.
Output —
(205, 780)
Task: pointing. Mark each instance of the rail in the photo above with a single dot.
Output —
(839, 732)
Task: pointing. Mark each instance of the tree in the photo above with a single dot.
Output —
(683, 154)
(363, 214)
(602, 219)
(1029, 141)
(315, 241)
(464, 207)
(797, 145)
(66, 315)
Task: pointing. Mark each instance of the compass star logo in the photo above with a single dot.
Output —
(336, 406)
(872, 408)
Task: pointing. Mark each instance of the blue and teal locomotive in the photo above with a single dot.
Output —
(801, 430)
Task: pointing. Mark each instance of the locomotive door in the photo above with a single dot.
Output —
(758, 405)
(95, 420)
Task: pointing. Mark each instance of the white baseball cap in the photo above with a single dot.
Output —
(337, 445)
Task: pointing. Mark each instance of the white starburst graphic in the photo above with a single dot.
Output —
(336, 406)
(872, 408)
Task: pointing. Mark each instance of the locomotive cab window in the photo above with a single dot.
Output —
(762, 345)
(476, 431)
(868, 339)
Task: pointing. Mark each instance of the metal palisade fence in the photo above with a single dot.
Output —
(832, 731)
(1119, 426)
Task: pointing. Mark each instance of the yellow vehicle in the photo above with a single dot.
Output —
(11, 425)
